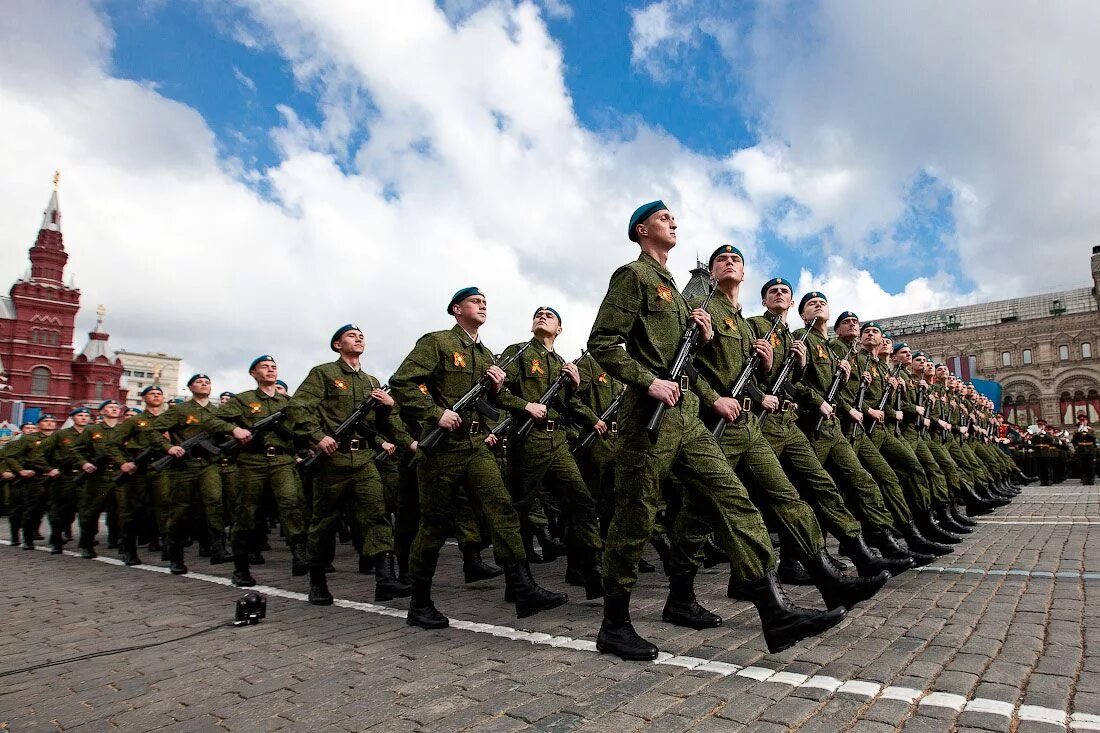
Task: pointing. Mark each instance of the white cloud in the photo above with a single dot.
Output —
(658, 36)
(244, 79)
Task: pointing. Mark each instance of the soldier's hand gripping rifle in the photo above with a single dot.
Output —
(347, 426)
(199, 440)
(607, 414)
(860, 397)
(922, 401)
(887, 393)
(473, 399)
(680, 369)
(785, 371)
(547, 397)
(834, 389)
(141, 462)
(897, 408)
(743, 380)
(101, 462)
(258, 428)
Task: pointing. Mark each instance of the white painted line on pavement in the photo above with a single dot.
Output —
(1038, 522)
(860, 688)
(1069, 574)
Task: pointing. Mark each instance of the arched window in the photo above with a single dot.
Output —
(1027, 356)
(1008, 409)
(99, 391)
(40, 380)
(1034, 409)
(1093, 406)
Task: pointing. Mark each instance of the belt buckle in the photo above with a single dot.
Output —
(550, 426)
(685, 382)
(475, 426)
(353, 445)
(271, 451)
(614, 427)
(746, 404)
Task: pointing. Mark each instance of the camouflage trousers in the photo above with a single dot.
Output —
(937, 482)
(97, 494)
(254, 477)
(899, 454)
(893, 497)
(354, 492)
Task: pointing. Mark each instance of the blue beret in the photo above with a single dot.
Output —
(940, 364)
(138, 410)
(267, 357)
(899, 346)
(842, 316)
(886, 335)
(197, 376)
(870, 324)
(773, 282)
(46, 416)
(919, 353)
(336, 336)
(725, 249)
(156, 387)
(462, 295)
(810, 296)
(24, 425)
(79, 410)
(223, 394)
(640, 214)
(104, 403)
(283, 384)
(548, 308)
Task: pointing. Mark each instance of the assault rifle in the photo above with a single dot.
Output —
(680, 368)
(348, 425)
(199, 440)
(787, 368)
(547, 397)
(259, 427)
(834, 389)
(606, 415)
(101, 462)
(141, 460)
(743, 380)
(473, 399)
(860, 397)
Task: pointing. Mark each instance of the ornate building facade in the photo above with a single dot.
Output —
(37, 322)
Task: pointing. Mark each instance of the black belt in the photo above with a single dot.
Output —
(270, 451)
(352, 445)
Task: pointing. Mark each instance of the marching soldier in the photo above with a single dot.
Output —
(59, 453)
(542, 460)
(347, 477)
(442, 368)
(26, 460)
(266, 463)
(1084, 443)
(644, 312)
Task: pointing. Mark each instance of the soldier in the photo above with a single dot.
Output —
(596, 462)
(441, 368)
(28, 462)
(131, 438)
(348, 476)
(542, 460)
(59, 453)
(14, 481)
(1085, 445)
(720, 362)
(644, 312)
(224, 397)
(195, 483)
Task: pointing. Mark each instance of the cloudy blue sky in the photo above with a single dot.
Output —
(241, 177)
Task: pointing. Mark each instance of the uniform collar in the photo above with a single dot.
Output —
(657, 267)
(540, 346)
(466, 338)
(345, 367)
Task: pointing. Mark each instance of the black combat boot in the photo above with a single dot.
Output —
(713, 555)
(533, 555)
(88, 553)
(869, 566)
(218, 552)
(422, 611)
(366, 565)
(175, 559)
(551, 548)
(530, 598)
(840, 590)
(473, 567)
(645, 566)
(242, 575)
(129, 552)
(299, 558)
(921, 544)
(617, 635)
(945, 520)
(154, 544)
(57, 545)
(682, 608)
(318, 588)
(14, 532)
(790, 572)
(975, 505)
(959, 517)
(887, 544)
(386, 585)
(931, 529)
(664, 549)
(204, 548)
(784, 623)
(256, 558)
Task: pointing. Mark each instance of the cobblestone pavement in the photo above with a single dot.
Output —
(996, 638)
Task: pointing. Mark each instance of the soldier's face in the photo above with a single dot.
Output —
(30, 429)
(111, 411)
(545, 323)
(475, 309)
(266, 372)
(904, 356)
(280, 389)
(918, 364)
(200, 387)
(47, 426)
(815, 308)
(351, 343)
(870, 338)
(223, 399)
(659, 229)
(154, 398)
(728, 267)
(81, 419)
(778, 298)
(848, 328)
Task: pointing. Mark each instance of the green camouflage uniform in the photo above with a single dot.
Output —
(542, 461)
(348, 477)
(441, 368)
(266, 463)
(597, 463)
(194, 481)
(129, 439)
(94, 446)
(31, 493)
(644, 311)
(907, 398)
(59, 452)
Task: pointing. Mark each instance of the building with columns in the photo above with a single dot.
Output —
(37, 323)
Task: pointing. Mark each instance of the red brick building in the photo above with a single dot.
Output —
(37, 319)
